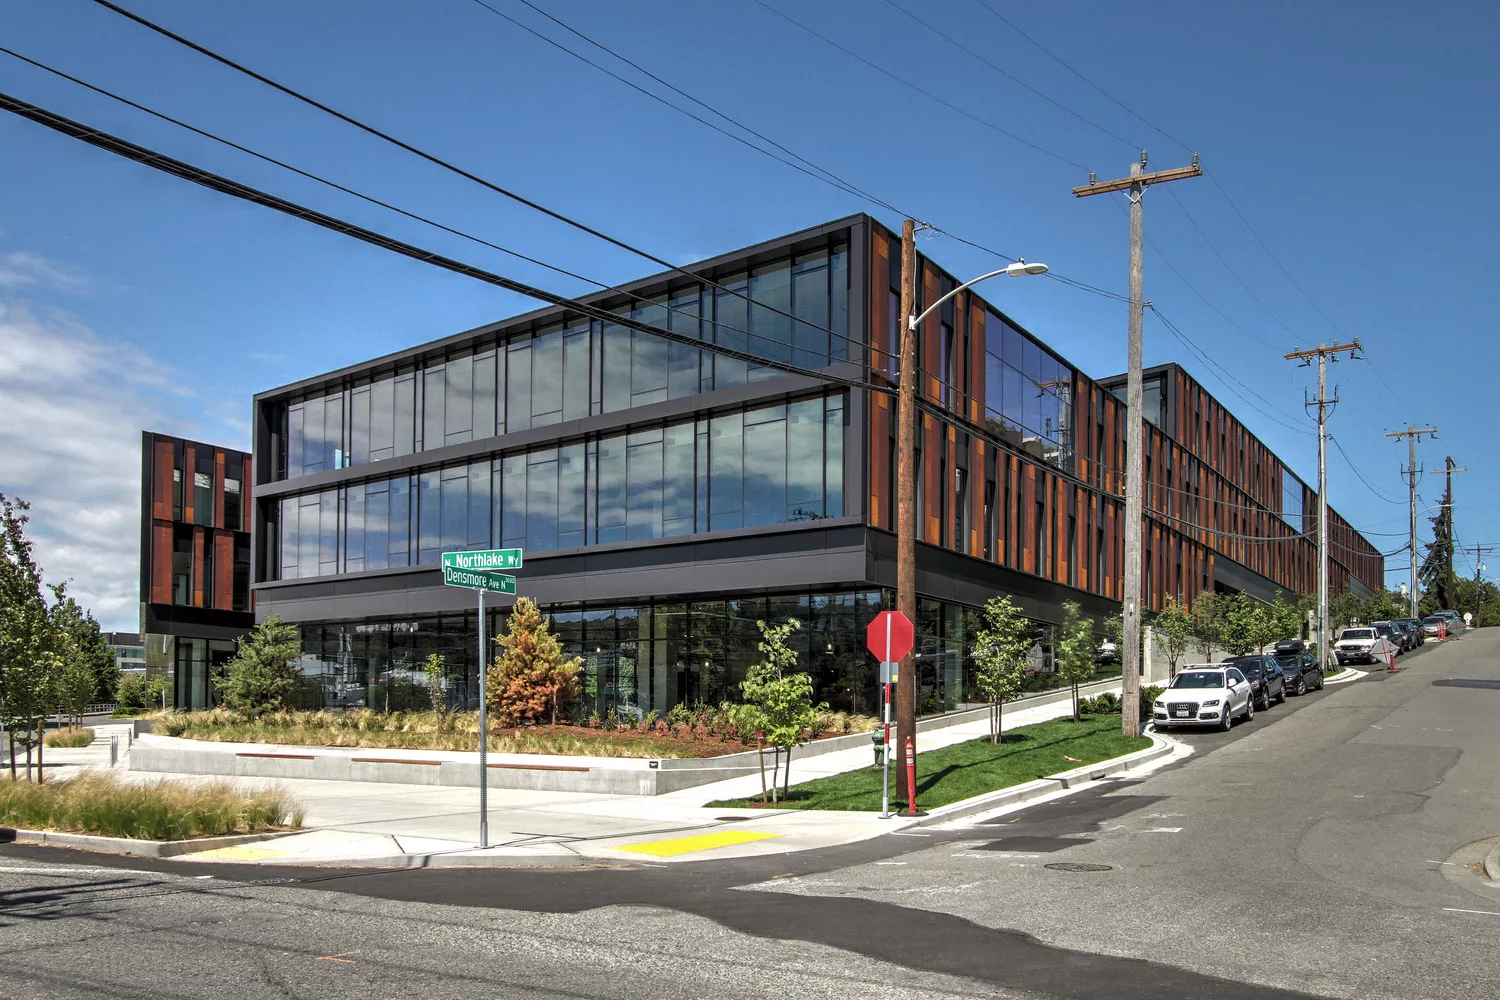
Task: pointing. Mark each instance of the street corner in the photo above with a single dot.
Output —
(316, 847)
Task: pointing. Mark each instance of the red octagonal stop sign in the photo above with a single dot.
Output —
(889, 636)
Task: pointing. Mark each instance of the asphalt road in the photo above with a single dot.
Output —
(1322, 849)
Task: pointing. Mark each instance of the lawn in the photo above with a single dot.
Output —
(164, 810)
(968, 769)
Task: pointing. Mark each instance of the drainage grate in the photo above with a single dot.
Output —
(1465, 682)
(1077, 866)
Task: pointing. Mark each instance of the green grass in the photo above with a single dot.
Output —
(70, 737)
(968, 769)
(165, 810)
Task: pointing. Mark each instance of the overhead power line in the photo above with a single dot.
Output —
(224, 185)
(1355, 469)
(603, 286)
(438, 161)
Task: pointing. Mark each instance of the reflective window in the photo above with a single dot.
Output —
(1028, 393)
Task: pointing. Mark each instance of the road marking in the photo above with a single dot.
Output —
(1488, 913)
(690, 845)
(900, 834)
(1164, 829)
(890, 862)
(1455, 864)
(339, 957)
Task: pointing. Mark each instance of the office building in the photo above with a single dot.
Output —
(668, 497)
(195, 561)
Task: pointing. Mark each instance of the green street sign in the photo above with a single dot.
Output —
(484, 559)
(499, 583)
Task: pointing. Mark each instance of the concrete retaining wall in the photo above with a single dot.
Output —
(533, 772)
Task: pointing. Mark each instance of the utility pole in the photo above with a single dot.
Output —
(1130, 656)
(1411, 473)
(1479, 551)
(1449, 468)
(906, 486)
(1323, 353)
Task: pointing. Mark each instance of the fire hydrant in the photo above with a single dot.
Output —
(878, 738)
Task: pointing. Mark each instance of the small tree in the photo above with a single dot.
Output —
(1075, 650)
(1000, 646)
(532, 678)
(433, 671)
(260, 677)
(76, 683)
(1208, 627)
(1174, 628)
(133, 692)
(28, 663)
(159, 690)
(783, 698)
(79, 628)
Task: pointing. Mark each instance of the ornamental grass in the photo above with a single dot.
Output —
(70, 737)
(167, 810)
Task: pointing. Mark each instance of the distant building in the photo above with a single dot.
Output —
(129, 650)
(195, 561)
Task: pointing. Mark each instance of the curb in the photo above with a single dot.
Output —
(1042, 786)
(1492, 863)
(127, 845)
(404, 861)
(1340, 678)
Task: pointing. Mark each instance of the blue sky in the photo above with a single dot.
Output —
(1347, 134)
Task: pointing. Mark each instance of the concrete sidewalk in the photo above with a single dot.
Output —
(378, 823)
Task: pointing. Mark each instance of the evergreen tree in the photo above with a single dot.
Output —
(532, 678)
(1435, 575)
(260, 677)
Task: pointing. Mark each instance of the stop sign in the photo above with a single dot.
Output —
(889, 636)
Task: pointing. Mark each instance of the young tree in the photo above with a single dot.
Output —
(532, 678)
(76, 683)
(133, 692)
(1208, 625)
(1001, 643)
(433, 671)
(1238, 613)
(1174, 628)
(28, 665)
(82, 630)
(1346, 608)
(260, 677)
(1075, 650)
(782, 697)
(159, 690)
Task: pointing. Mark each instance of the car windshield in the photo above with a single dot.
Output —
(1432, 620)
(1358, 633)
(1289, 662)
(1199, 679)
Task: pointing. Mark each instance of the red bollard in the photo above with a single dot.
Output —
(911, 778)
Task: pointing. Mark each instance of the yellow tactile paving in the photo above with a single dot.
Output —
(702, 842)
(240, 854)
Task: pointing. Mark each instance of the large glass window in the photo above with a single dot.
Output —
(761, 466)
(1291, 499)
(1028, 393)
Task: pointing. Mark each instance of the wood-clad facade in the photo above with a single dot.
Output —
(1223, 511)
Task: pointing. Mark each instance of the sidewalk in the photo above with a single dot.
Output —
(377, 823)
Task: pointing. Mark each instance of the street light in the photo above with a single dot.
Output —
(906, 500)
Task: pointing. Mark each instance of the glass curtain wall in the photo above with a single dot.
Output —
(765, 465)
(1028, 393)
(560, 372)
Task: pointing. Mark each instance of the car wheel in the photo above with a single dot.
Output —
(1320, 680)
(1281, 696)
(1226, 718)
(1301, 686)
(1249, 709)
(1265, 700)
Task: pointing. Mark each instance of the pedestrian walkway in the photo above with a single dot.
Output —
(377, 823)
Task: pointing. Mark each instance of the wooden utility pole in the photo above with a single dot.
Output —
(1411, 472)
(906, 486)
(1479, 551)
(1323, 353)
(1449, 468)
(1130, 655)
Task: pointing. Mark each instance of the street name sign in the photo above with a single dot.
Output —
(499, 583)
(484, 559)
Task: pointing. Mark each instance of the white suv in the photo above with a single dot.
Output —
(1206, 695)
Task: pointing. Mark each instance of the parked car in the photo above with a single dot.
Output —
(1455, 621)
(1301, 669)
(1204, 695)
(1434, 626)
(1267, 681)
(1108, 652)
(1414, 626)
(1362, 644)
(1394, 633)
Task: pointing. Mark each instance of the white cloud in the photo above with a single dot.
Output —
(20, 269)
(72, 408)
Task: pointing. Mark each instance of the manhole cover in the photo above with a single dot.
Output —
(733, 819)
(1077, 866)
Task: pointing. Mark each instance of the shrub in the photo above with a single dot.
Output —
(1107, 703)
(100, 804)
(260, 677)
(132, 691)
(71, 737)
(532, 679)
(1149, 694)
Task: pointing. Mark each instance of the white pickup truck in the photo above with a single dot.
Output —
(1362, 644)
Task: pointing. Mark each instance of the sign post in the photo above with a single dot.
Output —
(889, 637)
(476, 571)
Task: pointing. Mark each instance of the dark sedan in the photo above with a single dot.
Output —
(1267, 679)
(1301, 672)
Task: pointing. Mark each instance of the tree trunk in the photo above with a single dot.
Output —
(775, 773)
(41, 741)
(10, 733)
(1076, 716)
(760, 755)
(786, 787)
